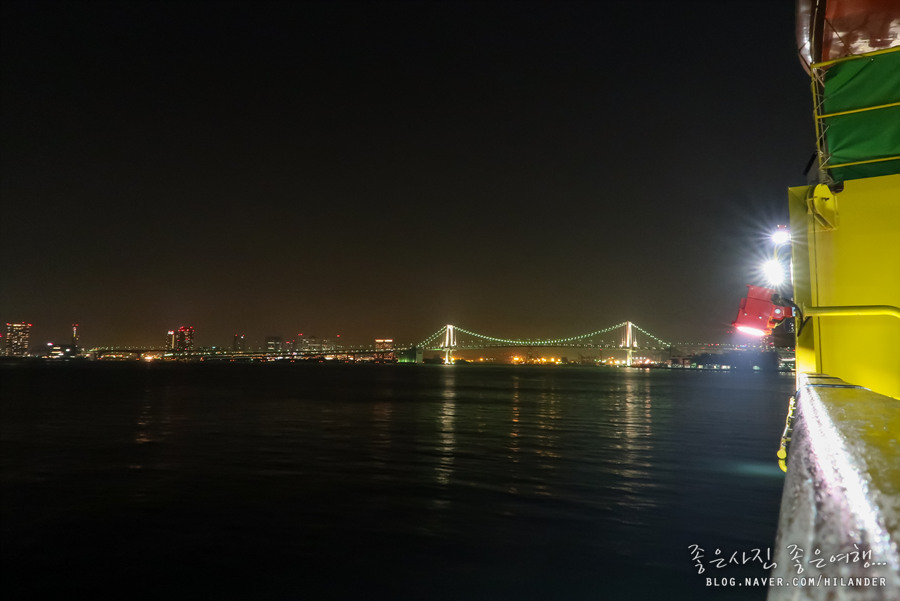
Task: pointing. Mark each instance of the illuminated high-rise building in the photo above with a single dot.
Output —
(239, 343)
(76, 339)
(170, 340)
(18, 336)
(184, 339)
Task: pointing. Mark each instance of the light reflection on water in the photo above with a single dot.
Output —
(144, 422)
(444, 469)
(473, 482)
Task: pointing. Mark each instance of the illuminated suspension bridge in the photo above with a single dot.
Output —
(625, 335)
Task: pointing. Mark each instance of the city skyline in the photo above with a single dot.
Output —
(382, 169)
(16, 341)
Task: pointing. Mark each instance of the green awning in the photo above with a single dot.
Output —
(868, 135)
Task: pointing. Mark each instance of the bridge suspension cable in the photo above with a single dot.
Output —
(550, 342)
(533, 342)
(646, 333)
(539, 341)
(433, 337)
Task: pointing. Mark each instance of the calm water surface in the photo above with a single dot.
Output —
(383, 482)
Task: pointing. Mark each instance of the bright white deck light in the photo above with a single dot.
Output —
(774, 272)
(781, 236)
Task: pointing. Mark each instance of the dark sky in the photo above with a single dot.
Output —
(524, 169)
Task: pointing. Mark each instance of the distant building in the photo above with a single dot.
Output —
(239, 343)
(183, 339)
(273, 344)
(18, 336)
(63, 351)
(76, 338)
(180, 340)
(384, 349)
(309, 344)
(411, 355)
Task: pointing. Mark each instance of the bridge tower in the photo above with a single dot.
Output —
(449, 343)
(629, 342)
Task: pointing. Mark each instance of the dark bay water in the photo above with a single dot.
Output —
(134, 481)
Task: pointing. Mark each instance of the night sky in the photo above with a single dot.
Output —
(524, 169)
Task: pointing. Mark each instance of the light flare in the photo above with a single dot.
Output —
(774, 272)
